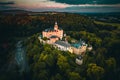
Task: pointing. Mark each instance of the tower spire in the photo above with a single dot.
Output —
(56, 26)
(55, 22)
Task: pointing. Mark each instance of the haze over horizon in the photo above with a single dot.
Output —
(62, 5)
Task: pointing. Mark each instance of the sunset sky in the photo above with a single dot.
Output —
(62, 5)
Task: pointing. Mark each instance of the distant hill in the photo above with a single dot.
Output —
(13, 12)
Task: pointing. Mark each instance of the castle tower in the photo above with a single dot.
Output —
(55, 26)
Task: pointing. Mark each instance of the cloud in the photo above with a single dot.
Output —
(7, 7)
(82, 8)
(96, 5)
(7, 3)
(62, 5)
(43, 4)
(99, 8)
(88, 1)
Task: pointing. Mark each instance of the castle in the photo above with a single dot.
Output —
(53, 34)
(54, 37)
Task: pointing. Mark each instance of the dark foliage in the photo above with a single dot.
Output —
(48, 63)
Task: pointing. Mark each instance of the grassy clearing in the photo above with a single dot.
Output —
(105, 23)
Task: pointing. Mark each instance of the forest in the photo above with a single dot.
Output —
(47, 63)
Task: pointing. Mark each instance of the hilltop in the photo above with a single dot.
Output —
(43, 59)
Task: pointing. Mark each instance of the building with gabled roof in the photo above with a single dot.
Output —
(56, 31)
(79, 48)
(63, 46)
(54, 36)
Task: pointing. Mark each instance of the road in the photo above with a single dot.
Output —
(20, 57)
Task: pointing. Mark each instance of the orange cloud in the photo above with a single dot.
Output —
(41, 5)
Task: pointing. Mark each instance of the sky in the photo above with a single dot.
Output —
(62, 5)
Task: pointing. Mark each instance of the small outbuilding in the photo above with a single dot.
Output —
(79, 60)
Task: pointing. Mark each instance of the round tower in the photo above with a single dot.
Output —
(55, 26)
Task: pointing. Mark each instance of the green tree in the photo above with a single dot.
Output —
(57, 77)
(110, 69)
(74, 76)
(111, 64)
(62, 63)
(95, 72)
